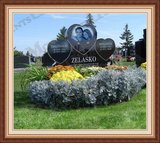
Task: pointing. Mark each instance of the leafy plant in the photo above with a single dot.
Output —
(33, 73)
(88, 71)
(78, 68)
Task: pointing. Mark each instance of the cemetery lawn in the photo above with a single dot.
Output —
(124, 62)
(126, 115)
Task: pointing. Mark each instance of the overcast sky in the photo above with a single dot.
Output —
(32, 32)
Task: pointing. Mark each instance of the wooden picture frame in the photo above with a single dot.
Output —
(5, 137)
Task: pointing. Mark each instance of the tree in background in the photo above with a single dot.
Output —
(17, 53)
(90, 20)
(27, 54)
(61, 34)
(127, 37)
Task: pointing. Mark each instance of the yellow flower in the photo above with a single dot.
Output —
(58, 68)
(144, 65)
(66, 76)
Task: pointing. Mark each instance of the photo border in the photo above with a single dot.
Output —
(4, 3)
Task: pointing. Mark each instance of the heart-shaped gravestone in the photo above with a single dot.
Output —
(59, 51)
(82, 38)
(105, 48)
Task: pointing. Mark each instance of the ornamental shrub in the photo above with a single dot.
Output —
(104, 88)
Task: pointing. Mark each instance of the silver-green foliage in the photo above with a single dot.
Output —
(106, 87)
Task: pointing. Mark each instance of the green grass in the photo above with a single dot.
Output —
(124, 62)
(126, 115)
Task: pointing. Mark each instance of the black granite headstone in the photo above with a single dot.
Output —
(82, 38)
(81, 47)
(105, 48)
(59, 51)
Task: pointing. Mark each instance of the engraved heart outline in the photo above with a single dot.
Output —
(104, 40)
(69, 33)
(54, 41)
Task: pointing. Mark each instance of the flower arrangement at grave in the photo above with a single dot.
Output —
(74, 87)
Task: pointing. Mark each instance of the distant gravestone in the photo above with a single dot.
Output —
(81, 47)
(140, 49)
(21, 61)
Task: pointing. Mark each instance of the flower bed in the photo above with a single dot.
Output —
(102, 87)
